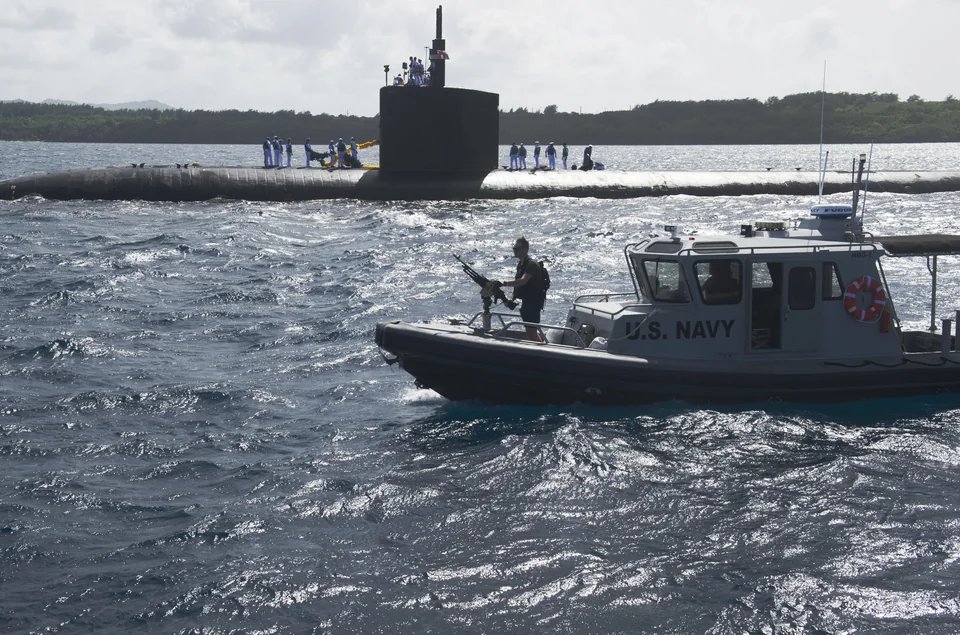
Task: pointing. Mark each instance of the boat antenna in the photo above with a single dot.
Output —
(866, 186)
(820, 158)
(856, 175)
(823, 173)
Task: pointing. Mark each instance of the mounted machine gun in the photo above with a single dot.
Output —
(490, 290)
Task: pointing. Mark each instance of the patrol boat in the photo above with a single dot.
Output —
(791, 311)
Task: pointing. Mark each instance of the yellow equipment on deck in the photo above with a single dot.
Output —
(349, 159)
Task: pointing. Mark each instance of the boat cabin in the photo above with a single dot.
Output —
(815, 290)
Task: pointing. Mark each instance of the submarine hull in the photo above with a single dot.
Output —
(166, 183)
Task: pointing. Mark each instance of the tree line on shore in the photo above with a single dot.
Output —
(848, 118)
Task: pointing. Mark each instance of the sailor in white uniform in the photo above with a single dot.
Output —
(277, 152)
(354, 152)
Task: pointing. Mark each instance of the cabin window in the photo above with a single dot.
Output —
(664, 247)
(802, 288)
(832, 285)
(715, 247)
(720, 281)
(765, 274)
(666, 280)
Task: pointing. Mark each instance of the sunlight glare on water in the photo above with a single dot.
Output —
(198, 433)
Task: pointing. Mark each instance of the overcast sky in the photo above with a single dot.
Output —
(326, 56)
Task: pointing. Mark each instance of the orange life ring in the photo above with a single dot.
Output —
(876, 304)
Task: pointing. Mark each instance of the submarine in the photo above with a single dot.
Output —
(169, 183)
(421, 127)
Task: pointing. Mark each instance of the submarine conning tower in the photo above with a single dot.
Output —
(433, 132)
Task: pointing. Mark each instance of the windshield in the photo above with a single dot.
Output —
(665, 280)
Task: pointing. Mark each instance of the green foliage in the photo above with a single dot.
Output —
(849, 118)
(48, 122)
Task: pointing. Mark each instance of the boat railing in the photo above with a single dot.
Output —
(602, 297)
(542, 329)
(753, 250)
(580, 304)
(798, 249)
(492, 314)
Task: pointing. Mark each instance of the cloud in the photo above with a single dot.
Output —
(821, 36)
(329, 56)
(283, 23)
(215, 20)
(22, 16)
(109, 41)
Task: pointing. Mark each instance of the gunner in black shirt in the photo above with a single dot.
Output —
(528, 287)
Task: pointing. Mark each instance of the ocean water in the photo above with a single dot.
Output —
(198, 435)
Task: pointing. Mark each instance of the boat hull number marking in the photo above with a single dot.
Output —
(682, 330)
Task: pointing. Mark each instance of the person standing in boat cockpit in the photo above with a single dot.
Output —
(528, 287)
(723, 284)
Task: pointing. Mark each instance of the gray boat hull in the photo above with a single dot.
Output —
(475, 366)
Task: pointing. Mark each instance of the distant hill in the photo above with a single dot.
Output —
(25, 121)
(850, 118)
(150, 104)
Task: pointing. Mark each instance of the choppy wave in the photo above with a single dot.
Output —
(198, 435)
